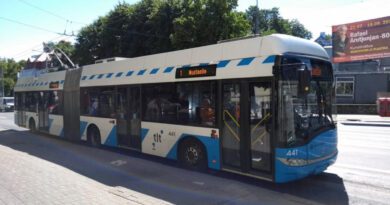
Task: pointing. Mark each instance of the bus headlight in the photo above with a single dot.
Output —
(293, 162)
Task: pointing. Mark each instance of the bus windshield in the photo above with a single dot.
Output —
(305, 103)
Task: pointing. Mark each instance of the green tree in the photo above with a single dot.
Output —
(154, 26)
(10, 70)
(270, 21)
(67, 47)
(88, 45)
(208, 21)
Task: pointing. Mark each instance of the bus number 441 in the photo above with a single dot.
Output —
(292, 152)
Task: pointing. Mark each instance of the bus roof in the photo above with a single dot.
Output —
(243, 58)
(275, 44)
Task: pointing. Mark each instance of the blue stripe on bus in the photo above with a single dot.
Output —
(212, 149)
(62, 81)
(109, 75)
(91, 77)
(203, 64)
(154, 71)
(269, 59)
(141, 72)
(129, 73)
(111, 139)
(84, 77)
(144, 132)
(46, 83)
(83, 126)
(168, 69)
(118, 74)
(100, 76)
(223, 63)
(245, 61)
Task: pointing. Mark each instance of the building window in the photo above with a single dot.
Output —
(344, 86)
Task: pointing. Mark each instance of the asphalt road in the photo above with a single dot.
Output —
(360, 176)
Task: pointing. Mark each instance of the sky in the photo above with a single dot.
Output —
(25, 24)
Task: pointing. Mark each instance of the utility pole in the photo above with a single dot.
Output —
(257, 18)
(2, 81)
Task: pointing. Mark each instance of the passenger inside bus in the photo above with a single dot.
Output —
(207, 113)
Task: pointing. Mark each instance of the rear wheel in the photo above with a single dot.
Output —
(93, 136)
(31, 125)
(192, 154)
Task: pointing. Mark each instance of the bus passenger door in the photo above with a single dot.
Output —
(231, 135)
(43, 112)
(128, 117)
(260, 125)
(246, 128)
(122, 122)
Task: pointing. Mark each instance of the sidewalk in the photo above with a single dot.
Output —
(367, 120)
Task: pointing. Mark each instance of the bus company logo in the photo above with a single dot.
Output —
(157, 138)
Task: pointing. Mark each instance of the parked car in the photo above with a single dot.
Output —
(7, 104)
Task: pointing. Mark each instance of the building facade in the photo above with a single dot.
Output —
(358, 84)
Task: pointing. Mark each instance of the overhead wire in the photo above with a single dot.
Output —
(38, 45)
(31, 26)
(51, 13)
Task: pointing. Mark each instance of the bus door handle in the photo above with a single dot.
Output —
(112, 121)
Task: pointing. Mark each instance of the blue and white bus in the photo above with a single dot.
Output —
(260, 106)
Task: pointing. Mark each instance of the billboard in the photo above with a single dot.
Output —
(361, 40)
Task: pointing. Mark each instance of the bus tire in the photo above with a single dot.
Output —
(93, 136)
(192, 154)
(31, 125)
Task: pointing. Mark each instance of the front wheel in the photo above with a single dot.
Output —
(192, 155)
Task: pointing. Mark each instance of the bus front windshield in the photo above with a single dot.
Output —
(305, 105)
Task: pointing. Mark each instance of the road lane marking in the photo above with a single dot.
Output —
(198, 183)
(118, 162)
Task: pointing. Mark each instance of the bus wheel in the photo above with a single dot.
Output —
(93, 136)
(31, 125)
(192, 154)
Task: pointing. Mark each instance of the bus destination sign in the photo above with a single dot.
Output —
(197, 71)
(54, 85)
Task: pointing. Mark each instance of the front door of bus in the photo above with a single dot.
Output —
(246, 126)
(128, 117)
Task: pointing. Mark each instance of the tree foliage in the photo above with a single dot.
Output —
(10, 70)
(270, 21)
(154, 26)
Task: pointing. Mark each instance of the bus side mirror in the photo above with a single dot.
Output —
(304, 76)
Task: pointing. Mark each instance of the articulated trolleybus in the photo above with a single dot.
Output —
(260, 107)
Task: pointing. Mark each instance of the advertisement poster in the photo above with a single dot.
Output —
(361, 40)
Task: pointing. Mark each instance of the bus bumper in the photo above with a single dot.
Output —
(286, 173)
